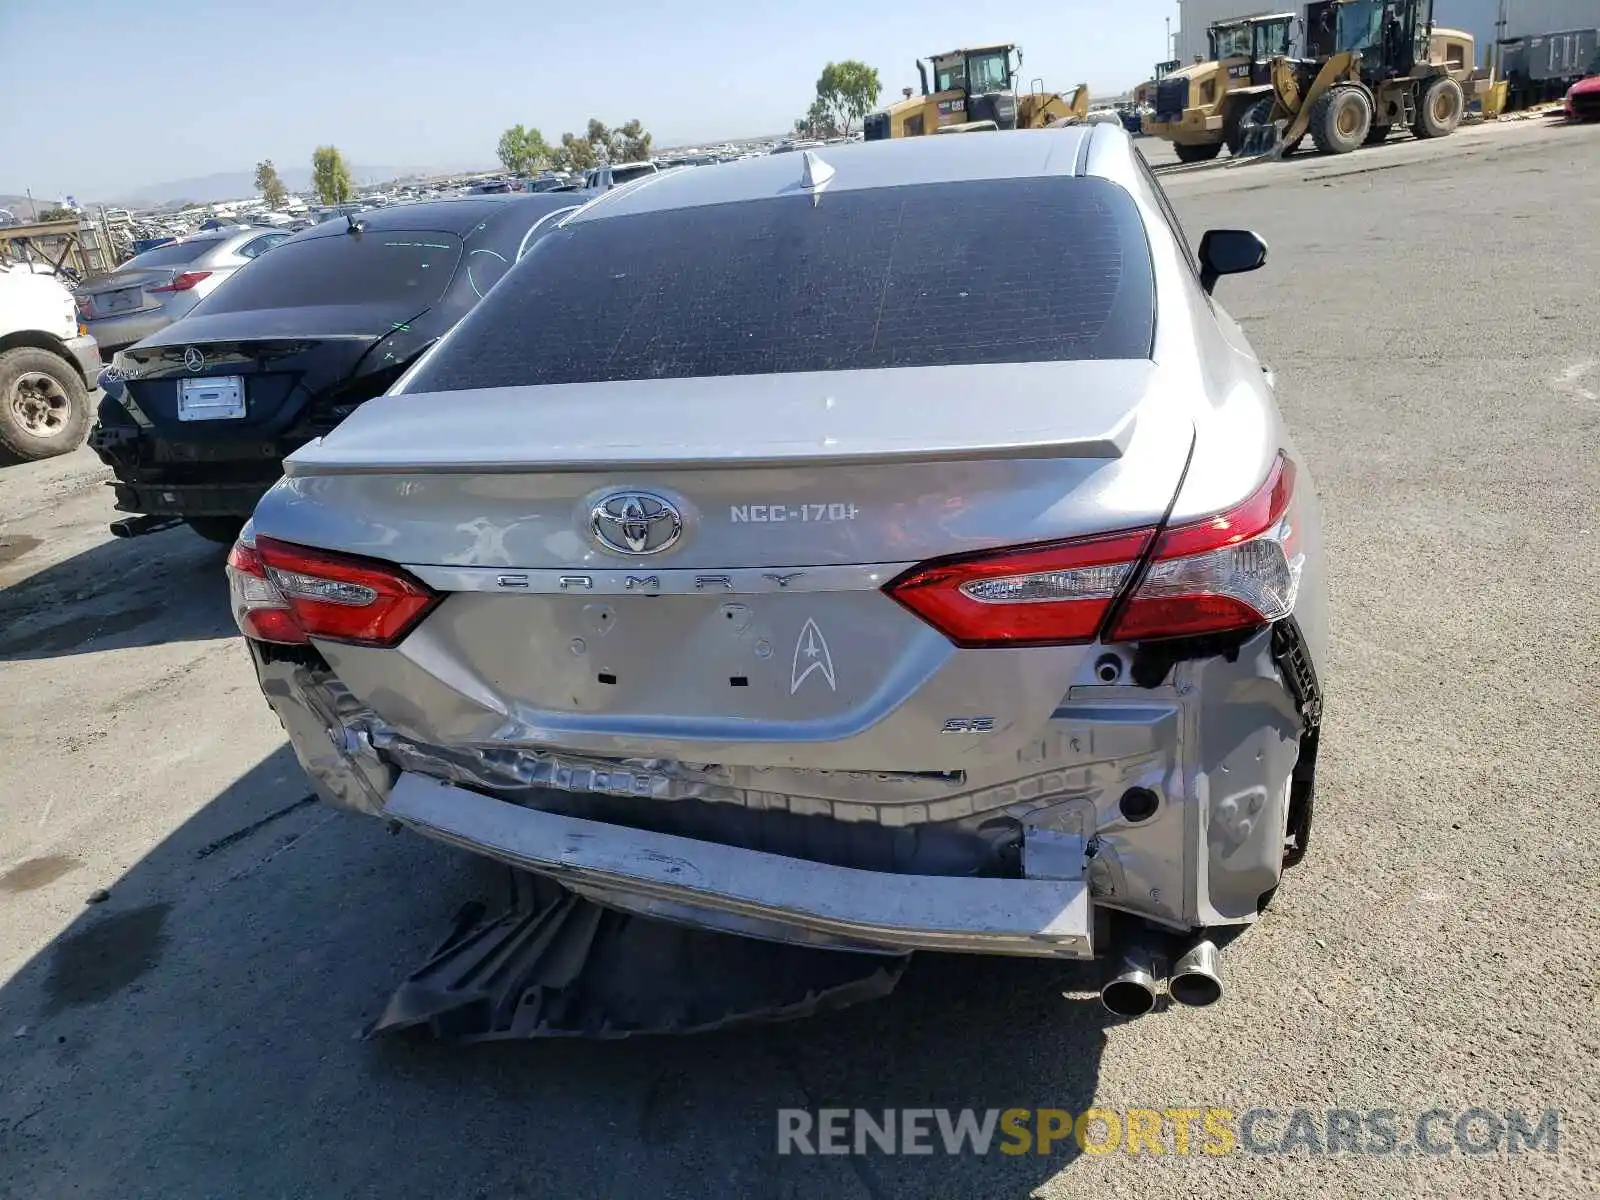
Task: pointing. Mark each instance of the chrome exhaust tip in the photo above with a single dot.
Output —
(1131, 989)
(1197, 976)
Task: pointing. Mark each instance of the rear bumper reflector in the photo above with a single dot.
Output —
(1035, 917)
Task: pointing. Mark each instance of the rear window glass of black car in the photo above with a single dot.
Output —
(494, 245)
(395, 268)
(173, 254)
(988, 271)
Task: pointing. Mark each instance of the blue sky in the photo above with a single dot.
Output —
(190, 87)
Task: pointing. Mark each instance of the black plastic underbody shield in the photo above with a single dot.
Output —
(556, 965)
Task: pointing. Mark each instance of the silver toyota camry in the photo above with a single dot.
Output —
(892, 546)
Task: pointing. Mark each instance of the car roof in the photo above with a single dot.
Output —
(1015, 154)
(458, 216)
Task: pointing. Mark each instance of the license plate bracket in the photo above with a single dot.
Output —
(120, 301)
(214, 398)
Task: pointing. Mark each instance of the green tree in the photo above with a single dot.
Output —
(56, 213)
(849, 90)
(633, 142)
(330, 178)
(605, 143)
(522, 150)
(575, 153)
(818, 121)
(270, 185)
(599, 143)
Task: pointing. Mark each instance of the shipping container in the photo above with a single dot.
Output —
(1543, 66)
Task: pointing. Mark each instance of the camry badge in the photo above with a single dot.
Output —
(636, 522)
(193, 359)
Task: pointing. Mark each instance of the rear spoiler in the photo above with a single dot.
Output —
(1019, 410)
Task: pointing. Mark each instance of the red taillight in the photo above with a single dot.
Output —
(182, 283)
(290, 594)
(1236, 570)
(1053, 594)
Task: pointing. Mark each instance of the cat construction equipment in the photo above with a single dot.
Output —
(1200, 108)
(1144, 96)
(1373, 65)
(973, 90)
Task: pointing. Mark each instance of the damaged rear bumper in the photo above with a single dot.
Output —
(856, 908)
(1177, 801)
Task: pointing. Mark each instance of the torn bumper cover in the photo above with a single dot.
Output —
(556, 965)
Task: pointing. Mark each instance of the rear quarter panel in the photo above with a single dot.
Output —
(1238, 428)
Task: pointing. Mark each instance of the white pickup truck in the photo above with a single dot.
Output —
(48, 367)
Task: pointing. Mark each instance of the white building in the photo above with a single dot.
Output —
(1485, 20)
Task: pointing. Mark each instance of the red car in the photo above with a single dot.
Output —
(1583, 97)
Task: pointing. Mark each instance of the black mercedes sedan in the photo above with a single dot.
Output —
(197, 418)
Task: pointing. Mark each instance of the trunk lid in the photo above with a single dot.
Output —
(126, 291)
(274, 362)
(761, 634)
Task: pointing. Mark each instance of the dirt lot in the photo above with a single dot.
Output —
(1430, 311)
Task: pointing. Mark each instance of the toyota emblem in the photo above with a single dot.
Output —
(193, 358)
(635, 522)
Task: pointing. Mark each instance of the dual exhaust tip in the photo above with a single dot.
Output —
(1195, 981)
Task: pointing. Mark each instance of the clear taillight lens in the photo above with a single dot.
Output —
(1233, 571)
(259, 608)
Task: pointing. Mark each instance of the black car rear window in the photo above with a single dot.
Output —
(392, 268)
(987, 271)
(173, 254)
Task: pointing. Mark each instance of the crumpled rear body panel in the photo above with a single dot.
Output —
(1216, 741)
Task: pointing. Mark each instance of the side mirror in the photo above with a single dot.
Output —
(1229, 252)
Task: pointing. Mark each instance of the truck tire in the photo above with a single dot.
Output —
(222, 530)
(1440, 110)
(44, 407)
(1340, 120)
(1204, 152)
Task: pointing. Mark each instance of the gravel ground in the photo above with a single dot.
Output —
(1429, 308)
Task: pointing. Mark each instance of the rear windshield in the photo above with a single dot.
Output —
(393, 268)
(989, 271)
(173, 254)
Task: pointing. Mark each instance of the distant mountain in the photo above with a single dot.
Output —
(21, 207)
(238, 185)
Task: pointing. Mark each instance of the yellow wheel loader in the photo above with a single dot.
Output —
(1144, 96)
(1374, 64)
(971, 90)
(1200, 108)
